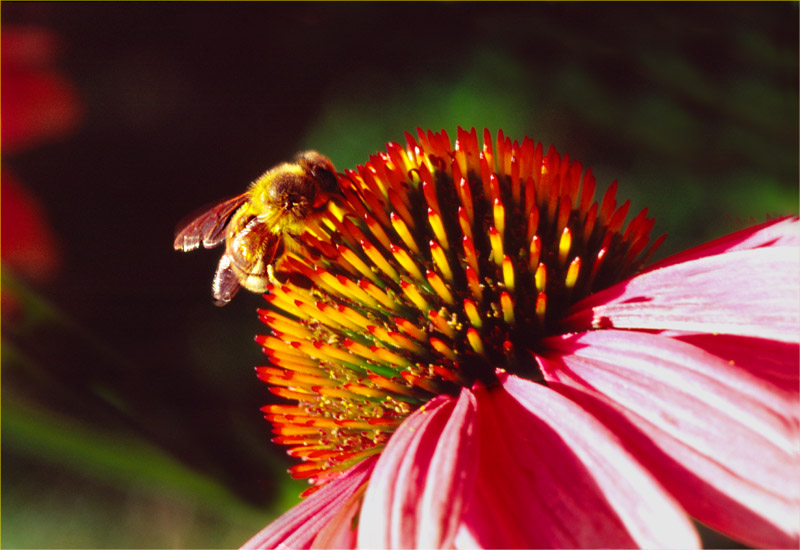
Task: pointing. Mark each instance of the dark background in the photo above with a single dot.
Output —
(129, 402)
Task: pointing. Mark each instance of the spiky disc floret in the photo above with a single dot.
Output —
(442, 265)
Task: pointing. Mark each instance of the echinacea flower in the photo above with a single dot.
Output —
(38, 105)
(474, 355)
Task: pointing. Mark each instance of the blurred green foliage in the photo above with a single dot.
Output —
(129, 406)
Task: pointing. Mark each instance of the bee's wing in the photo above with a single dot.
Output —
(226, 283)
(209, 227)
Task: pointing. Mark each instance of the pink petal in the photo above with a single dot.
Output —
(298, 527)
(781, 232)
(551, 476)
(341, 531)
(724, 442)
(746, 292)
(776, 362)
(417, 490)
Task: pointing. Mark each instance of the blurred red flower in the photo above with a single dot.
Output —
(38, 104)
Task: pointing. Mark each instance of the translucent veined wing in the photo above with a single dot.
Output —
(209, 227)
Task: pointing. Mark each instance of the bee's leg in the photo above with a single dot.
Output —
(277, 249)
(226, 284)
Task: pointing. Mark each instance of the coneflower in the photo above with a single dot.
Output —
(473, 355)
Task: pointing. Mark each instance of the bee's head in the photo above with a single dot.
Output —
(322, 172)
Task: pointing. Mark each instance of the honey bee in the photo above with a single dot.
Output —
(255, 225)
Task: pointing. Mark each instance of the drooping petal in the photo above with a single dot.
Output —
(422, 478)
(746, 292)
(724, 442)
(341, 531)
(551, 476)
(780, 232)
(776, 362)
(298, 527)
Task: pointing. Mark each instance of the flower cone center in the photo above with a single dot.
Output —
(440, 266)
